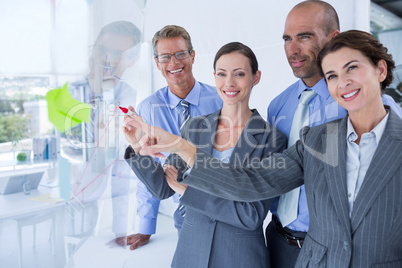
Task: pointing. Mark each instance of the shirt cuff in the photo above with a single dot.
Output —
(185, 174)
(147, 227)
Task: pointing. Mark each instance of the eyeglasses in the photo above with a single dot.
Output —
(180, 55)
(99, 50)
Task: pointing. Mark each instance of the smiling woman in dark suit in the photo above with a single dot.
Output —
(218, 232)
(352, 167)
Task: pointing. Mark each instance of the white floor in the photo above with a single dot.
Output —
(93, 253)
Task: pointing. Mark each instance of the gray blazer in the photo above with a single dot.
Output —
(217, 232)
(372, 237)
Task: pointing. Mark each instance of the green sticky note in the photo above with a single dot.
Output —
(64, 111)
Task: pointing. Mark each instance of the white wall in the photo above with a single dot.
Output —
(211, 23)
(256, 23)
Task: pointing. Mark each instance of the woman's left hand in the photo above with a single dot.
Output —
(171, 178)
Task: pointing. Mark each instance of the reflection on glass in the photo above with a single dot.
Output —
(94, 149)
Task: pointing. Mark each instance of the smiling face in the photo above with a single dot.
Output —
(178, 73)
(304, 37)
(234, 79)
(354, 81)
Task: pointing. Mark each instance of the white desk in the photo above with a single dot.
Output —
(93, 252)
(19, 210)
(18, 204)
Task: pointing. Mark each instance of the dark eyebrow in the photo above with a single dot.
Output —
(222, 69)
(343, 67)
(299, 34)
(306, 33)
(350, 62)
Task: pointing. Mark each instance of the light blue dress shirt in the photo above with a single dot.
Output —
(223, 156)
(359, 156)
(122, 94)
(162, 109)
(322, 108)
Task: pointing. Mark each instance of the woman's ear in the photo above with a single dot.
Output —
(382, 70)
(257, 77)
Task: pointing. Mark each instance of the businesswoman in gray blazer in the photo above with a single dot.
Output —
(218, 232)
(352, 167)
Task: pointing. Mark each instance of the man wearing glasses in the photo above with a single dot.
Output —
(96, 143)
(174, 57)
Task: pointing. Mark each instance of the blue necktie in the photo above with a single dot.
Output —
(185, 113)
(288, 203)
(185, 117)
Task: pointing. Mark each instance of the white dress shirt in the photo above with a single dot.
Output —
(358, 157)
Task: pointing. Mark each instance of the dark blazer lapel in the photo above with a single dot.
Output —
(380, 170)
(334, 157)
(247, 141)
(208, 137)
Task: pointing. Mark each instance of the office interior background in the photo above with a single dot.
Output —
(46, 44)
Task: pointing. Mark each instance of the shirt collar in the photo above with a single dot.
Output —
(378, 131)
(320, 88)
(193, 97)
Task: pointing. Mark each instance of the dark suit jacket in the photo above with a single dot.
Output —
(217, 232)
(372, 237)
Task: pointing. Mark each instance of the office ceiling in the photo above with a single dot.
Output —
(394, 6)
(385, 15)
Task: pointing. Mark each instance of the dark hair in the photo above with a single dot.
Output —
(364, 42)
(240, 48)
(125, 28)
(330, 21)
(171, 31)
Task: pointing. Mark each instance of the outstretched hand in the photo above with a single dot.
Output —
(134, 240)
(147, 139)
(131, 131)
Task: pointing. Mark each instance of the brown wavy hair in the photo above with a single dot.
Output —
(364, 42)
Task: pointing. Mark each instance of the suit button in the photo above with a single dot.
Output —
(346, 246)
(212, 220)
(310, 253)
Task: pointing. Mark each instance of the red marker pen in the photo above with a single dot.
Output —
(126, 111)
(129, 113)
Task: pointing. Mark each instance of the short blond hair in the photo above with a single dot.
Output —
(171, 31)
